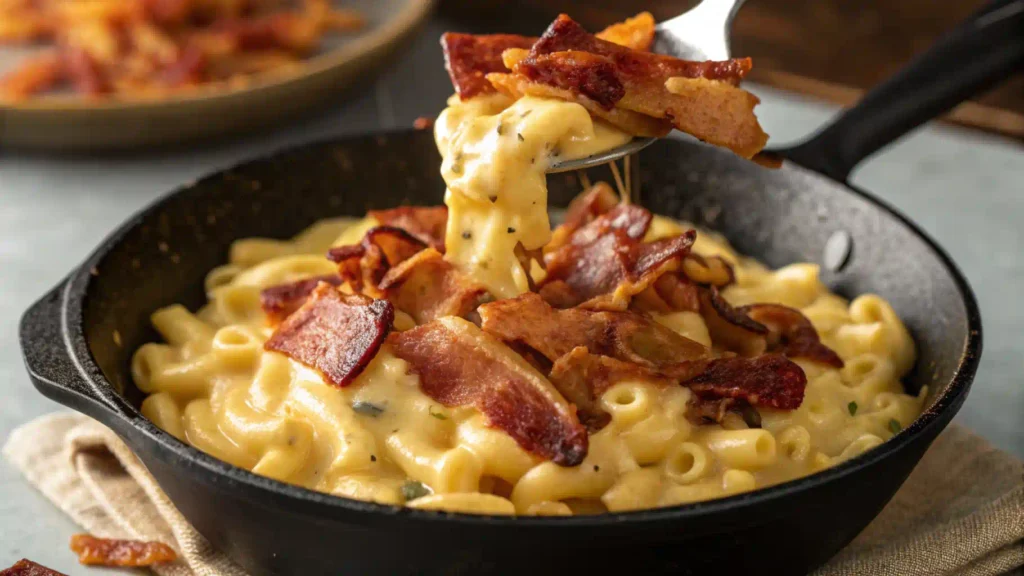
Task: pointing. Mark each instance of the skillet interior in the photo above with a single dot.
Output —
(161, 257)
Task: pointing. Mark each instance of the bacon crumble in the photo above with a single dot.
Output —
(334, 333)
(95, 551)
(460, 365)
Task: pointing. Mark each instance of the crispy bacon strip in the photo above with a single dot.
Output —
(94, 551)
(625, 336)
(334, 333)
(592, 350)
(605, 264)
(469, 58)
(364, 265)
(791, 333)
(585, 208)
(425, 223)
(427, 286)
(767, 380)
(26, 567)
(581, 377)
(729, 327)
(699, 98)
(516, 86)
(459, 365)
(278, 302)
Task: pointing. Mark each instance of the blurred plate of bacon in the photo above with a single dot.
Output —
(106, 74)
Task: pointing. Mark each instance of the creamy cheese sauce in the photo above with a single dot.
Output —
(496, 157)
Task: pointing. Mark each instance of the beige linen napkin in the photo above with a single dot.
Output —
(960, 512)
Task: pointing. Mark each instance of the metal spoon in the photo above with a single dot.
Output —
(700, 34)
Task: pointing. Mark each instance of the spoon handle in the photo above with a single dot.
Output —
(986, 48)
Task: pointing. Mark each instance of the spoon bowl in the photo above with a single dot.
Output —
(700, 34)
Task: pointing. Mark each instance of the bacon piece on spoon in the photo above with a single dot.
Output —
(334, 333)
(699, 98)
(460, 365)
(469, 58)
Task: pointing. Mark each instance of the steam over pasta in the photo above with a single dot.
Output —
(212, 385)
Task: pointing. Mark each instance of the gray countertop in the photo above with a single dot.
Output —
(965, 188)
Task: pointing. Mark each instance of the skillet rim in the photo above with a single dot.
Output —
(75, 289)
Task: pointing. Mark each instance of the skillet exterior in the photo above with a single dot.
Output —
(160, 256)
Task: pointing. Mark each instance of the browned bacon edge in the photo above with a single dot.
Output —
(469, 58)
(791, 333)
(426, 223)
(766, 380)
(592, 350)
(117, 552)
(459, 365)
(26, 567)
(604, 263)
(334, 333)
(364, 265)
(280, 301)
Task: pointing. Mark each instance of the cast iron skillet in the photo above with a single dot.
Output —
(78, 339)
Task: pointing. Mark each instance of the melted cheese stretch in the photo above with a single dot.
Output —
(496, 157)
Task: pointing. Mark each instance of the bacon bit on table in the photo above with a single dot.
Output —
(423, 123)
(334, 333)
(26, 567)
(116, 552)
(460, 365)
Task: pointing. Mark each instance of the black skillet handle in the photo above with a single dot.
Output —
(51, 364)
(980, 52)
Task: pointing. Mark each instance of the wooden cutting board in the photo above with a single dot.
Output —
(830, 49)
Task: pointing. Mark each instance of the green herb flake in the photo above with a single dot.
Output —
(520, 136)
(511, 230)
(895, 426)
(852, 407)
(467, 235)
(412, 490)
(501, 129)
(367, 409)
(438, 415)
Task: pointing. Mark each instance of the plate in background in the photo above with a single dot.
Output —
(67, 123)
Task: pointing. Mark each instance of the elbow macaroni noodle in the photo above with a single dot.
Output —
(212, 385)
